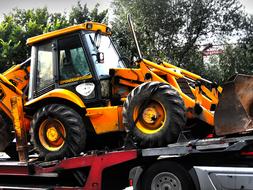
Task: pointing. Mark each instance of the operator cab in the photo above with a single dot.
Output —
(77, 58)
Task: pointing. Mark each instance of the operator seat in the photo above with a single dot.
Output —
(68, 70)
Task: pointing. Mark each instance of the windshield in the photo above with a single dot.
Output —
(100, 43)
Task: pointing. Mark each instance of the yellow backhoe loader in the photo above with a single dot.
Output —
(76, 84)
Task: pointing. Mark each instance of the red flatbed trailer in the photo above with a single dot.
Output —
(83, 172)
(200, 164)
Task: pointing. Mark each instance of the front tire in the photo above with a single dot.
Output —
(154, 114)
(58, 131)
(166, 175)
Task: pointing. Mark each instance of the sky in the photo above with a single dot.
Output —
(53, 5)
(248, 5)
(65, 5)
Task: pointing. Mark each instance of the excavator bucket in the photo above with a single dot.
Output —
(234, 112)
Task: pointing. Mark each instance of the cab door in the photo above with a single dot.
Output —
(74, 70)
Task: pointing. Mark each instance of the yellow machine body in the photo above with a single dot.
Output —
(199, 95)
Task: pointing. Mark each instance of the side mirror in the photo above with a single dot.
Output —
(100, 57)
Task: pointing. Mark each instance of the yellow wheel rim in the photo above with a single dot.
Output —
(52, 134)
(152, 119)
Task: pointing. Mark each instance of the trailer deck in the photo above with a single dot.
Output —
(83, 172)
(211, 145)
(88, 171)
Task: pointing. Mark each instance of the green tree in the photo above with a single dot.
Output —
(213, 70)
(172, 30)
(20, 24)
(239, 58)
(80, 14)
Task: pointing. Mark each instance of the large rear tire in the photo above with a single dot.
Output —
(154, 114)
(57, 131)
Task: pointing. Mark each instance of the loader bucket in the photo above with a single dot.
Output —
(234, 112)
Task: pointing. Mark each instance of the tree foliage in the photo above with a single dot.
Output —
(81, 13)
(167, 30)
(173, 30)
(237, 58)
(21, 24)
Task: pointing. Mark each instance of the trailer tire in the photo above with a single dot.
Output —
(166, 175)
(161, 119)
(57, 131)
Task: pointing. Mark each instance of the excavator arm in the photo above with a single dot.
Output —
(13, 90)
(14, 83)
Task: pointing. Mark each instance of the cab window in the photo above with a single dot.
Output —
(72, 60)
(45, 74)
(105, 45)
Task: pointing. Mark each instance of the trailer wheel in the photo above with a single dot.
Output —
(57, 131)
(166, 175)
(154, 114)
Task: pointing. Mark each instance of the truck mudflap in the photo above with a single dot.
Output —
(234, 111)
(134, 177)
(229, 178)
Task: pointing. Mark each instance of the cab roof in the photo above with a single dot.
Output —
(88, 26)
